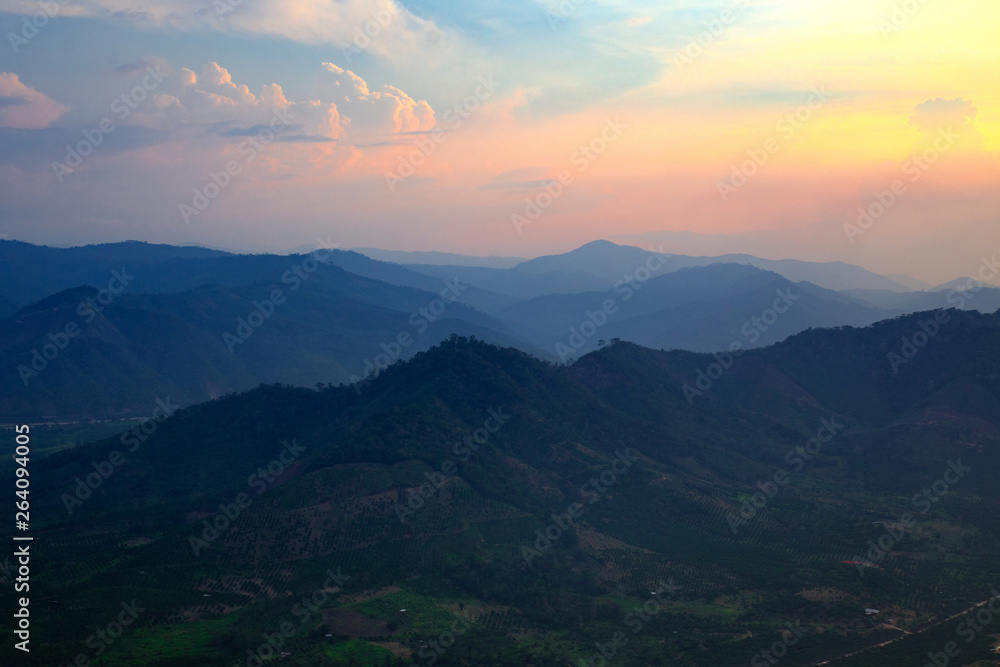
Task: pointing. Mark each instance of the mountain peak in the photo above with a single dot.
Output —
(71, 296)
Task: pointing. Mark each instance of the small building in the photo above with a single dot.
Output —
(871, 612)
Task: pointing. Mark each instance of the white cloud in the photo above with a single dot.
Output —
(383, 27)
(23, 107)
(367, 113)
(190, 99)
(343, 106)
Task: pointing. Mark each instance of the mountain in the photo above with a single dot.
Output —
(433, 257)
(594, 266)
(959, 293)
(476, 506)
(598, 264)
(831, 275)
(909, 282)
(394, 274)
(70, 355)
(30, 272)
(704, 309)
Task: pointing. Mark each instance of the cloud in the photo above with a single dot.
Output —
(31, 7)
(138, 66)
(521, 180)
(23, 107)
(210, 102)
(384, 27)
(13, 101)
(342, 106)
(194, 120)
(371, 113)
(639, 21)
(935, 115)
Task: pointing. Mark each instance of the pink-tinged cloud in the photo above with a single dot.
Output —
(186, 99)
(342, 106)
(24, 108)
(384, 27)
(369, 113)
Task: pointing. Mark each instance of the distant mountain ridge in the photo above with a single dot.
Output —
(72, 354)
(30, 272)
(434, 257)
(134, 304)
(703, 309)
(599, 261)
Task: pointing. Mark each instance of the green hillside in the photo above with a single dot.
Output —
(531, 514)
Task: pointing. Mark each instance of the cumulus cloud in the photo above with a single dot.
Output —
(210, 100)
(186, 124)
(939, 114)
(342, 106)
(371, 113)
(24, 108)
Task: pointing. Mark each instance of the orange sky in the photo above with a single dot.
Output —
(761, 127)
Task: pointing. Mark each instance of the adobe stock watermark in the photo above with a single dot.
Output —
(751, 330)
(432, 651)
(636, 620)
(757, 158)
(31, 25)
(224, 7)
(593, 490)
(249, 150)
(796, 460)
(103, 638)
(59, 340)
(779, 649)
(264, 478)
(714, 30)
(959, 297)
(581, 158)
(970, 628)
(883, 200)
(419, 320)
(987, 272)
(304, 610)
(627, 286)
(464, 449)
(901, 14)
(122, 108)
(564, 10)
(426, 146)
(913, 344)
(262, 311)
(103, 470)
(364, 35)
(923, 501)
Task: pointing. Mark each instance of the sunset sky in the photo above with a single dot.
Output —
(742, 126)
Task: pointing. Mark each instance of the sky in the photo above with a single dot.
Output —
(863, 131)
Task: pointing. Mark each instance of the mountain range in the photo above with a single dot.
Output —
(476, 505)
(168, 320)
